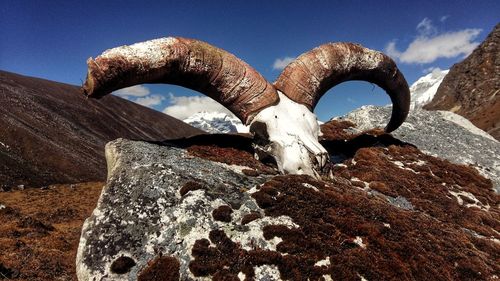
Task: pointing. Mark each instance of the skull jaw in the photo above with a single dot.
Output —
(288, 132)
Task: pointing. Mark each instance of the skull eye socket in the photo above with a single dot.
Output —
(259, 131)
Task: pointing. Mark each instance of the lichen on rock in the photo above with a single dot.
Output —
(159, 201)
(389, 212)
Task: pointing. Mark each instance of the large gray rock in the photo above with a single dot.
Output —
(389, 213)
(439, 133)
(141, 212)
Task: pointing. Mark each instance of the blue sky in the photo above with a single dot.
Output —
(53, 39)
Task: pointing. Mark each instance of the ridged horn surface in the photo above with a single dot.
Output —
(313, 73)
(185, 62)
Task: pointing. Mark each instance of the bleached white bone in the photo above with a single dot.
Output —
(293, 133)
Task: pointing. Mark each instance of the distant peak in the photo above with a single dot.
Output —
(216, 122)
(424, 89)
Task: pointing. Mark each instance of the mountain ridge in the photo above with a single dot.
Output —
(49, 132)
(216, 122)
(424, 89)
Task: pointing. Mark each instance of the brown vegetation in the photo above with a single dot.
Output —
(161, 269)
(389, 213)
(231, 156)
(396, 244)
(40, 230)
(223, 213)
(189, 186)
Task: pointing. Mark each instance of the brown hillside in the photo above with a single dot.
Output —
(472, 87)
(49, 133)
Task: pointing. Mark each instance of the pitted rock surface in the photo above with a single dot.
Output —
(389, 212)
(439, 133)
(141, 212)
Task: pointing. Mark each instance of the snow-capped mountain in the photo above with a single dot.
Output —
(424, 89)
(216, 123)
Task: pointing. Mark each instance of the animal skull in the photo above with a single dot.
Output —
(280, 115)
(289, 133)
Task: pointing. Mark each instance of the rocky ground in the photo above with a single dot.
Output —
(384, 211)
(439, 133)
(390, 212)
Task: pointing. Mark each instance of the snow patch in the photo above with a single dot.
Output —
(235, 168)
(466, 124)
(402, 166)
(366, 185)
(361, 277)
(359, 241)
(418, 163)
(216, 123)
(324, 262)
(476, 204)
(425, 88)
(305, 184)
(4, 145)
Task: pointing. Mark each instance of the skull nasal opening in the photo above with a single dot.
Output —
(259, 130)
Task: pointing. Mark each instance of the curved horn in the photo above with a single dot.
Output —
(185, 62)
(313, 73)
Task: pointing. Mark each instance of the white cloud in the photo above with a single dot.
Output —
(150, 100)
(351, 100)
(134, 91)
(280, 64)
(429, 45)
(141, 95)
(444, 18)
(425, 27)
(391, 49)
(431, 69)
(184, 106)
